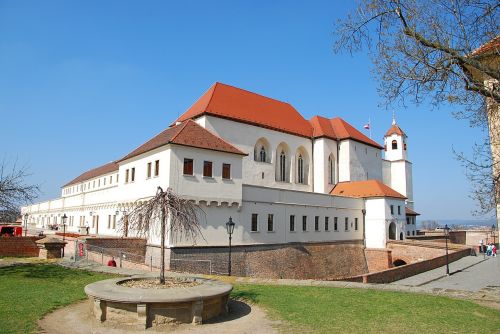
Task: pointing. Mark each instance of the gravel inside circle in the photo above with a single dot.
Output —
(155, 283)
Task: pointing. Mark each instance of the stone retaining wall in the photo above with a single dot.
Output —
(293, 260)
(19, 246)
(397, 273)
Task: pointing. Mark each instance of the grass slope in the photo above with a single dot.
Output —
(335, 310)
(27, 292)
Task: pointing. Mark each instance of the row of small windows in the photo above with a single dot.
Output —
(71, 221)
(292, 228)
(90, 185)
(392, 209)
(207, 168)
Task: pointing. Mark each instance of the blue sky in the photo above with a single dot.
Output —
(84, 83)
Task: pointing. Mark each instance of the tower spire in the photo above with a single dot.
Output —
(393, 117)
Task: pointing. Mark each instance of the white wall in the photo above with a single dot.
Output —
(365, 162)
(324, 148)
(245, 136)
(379, 217)
(398, 154)
(281, 203)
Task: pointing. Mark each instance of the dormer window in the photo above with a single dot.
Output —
(394, 145)
(262, 154)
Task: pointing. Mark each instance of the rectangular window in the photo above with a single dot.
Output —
(111, 179)
(109, 221)
(226, 171)
(99, 182)
(148, 170)
(114, 222)
(270, 222)
(335, 223)
(93, 221)
(126, 176)
(157, 167)
(399, 209)
(407, 220)
(392, 209)
(355, 224)
(292, 223)
(304, 223)
(188, 166)
(104, 180)
(93, 184)
(316, 223)
(254, 226)
(207, 168)
(326, 223)
(346, 223)
(117, 178)
(132, 175)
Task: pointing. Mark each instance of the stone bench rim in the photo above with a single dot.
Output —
(110, 290)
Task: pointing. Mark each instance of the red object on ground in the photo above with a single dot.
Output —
(11, 231)
(111, 263)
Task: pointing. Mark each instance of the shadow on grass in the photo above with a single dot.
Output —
(46, 271)
(245, 295)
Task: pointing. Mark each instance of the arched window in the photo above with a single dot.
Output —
(331, 179)
(394, 145)
(282, 166)
(262, 154)
(300, 169)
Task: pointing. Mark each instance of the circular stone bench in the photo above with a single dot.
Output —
(152, 307)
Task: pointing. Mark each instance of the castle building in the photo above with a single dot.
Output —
(283, 179)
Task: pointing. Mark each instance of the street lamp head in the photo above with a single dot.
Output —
(230, 226)
(64, 218)
(117, 212)
(26, 215)
(493, 227)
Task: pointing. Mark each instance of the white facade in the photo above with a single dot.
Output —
(282, 176)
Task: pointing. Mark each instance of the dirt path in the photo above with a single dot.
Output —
(76, 319)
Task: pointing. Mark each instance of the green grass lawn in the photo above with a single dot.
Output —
(335, 310)
(29, 291)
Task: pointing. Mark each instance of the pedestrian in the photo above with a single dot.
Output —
(481, 246)
(494, 250)
(112, 262)
(488, 250)
(87, 228)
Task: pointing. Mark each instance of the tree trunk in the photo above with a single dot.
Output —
(162, 245)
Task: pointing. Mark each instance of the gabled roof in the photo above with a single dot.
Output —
(410, 212)
(233, 103)
(395, 129)
(365, 189)
(90, 174)
(488, 47)
(338, 129)
(188, 133)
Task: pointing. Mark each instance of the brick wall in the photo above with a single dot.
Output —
(415, 252)
(120, 262)
(397, 273)
(293, 260)
(378, 259)
(19, 246)
(134, 248)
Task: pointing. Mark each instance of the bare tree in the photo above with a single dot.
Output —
(14, 191)
(167, 215)
(429, 224)
(428, 50)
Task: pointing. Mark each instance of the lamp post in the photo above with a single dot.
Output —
(446, 233)
(26, 224)
(493, 234)
(230, 229)
(64, 218)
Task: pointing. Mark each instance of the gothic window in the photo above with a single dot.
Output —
(330, 171)
(282, 167)
(394, 145)
(300, 167)
(262, 154)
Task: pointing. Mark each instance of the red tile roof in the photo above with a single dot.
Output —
(338, 129)
(365, 189)
(492, 45)
(104, 169)
(188, 133)
(233, 103)
(395, 129)
(410, 212)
